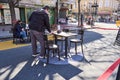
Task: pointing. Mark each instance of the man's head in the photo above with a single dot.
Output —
(46, 9)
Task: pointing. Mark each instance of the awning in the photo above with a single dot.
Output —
(104, 13)
(33, 3)
(68, 1)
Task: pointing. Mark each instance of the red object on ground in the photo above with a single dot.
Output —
(109, 71)
(103, 28)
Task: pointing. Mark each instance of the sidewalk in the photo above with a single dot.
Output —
(5, 30)
(98, 50)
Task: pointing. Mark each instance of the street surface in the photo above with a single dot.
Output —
(16, 63)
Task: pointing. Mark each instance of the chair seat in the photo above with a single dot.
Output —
(60, 38)
(75, 40)
(53, 46)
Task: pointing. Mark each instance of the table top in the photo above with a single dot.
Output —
(65, 34)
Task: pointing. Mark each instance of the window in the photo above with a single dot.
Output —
(107, 3)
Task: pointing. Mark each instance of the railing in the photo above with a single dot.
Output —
(109, 71)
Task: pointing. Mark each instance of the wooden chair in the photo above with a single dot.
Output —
(76, 40)
(50, 45)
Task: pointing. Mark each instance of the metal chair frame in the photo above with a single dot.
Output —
(50, 45)
(76, 41)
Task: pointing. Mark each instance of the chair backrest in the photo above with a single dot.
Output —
(65, 30)
(81, 32)
(49, 38)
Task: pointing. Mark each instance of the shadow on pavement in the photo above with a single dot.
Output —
(15, 64)
(90, 36)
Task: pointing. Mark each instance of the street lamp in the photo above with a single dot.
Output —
(58, 12)
(94, 11)
(79, 13)
(118, 10)
(80, 16)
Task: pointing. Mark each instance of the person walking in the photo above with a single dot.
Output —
(38, 22)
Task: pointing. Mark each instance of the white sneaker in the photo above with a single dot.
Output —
(35, 55)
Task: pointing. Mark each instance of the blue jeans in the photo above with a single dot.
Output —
(23, 34)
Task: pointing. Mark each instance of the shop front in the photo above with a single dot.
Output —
(5, 15)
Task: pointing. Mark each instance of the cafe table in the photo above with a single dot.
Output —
(66, 35)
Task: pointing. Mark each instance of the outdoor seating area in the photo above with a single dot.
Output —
(59, 39)
(58, 46)
(50, 45)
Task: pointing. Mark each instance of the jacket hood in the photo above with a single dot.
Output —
(40, 12)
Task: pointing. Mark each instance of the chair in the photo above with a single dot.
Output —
(65, 30)
(76, 41)
(50, 45)
(17, 38)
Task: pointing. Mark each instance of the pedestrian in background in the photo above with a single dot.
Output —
(66, 19)
(38, 22)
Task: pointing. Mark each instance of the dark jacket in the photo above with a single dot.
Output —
(17, 29)
(39, 21)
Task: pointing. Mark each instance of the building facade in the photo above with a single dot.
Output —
(23, 10)
(5, 16)
(106, 8)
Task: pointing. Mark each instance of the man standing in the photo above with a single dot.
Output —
(38, 22)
